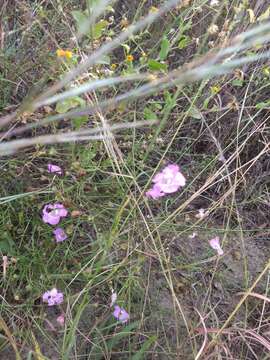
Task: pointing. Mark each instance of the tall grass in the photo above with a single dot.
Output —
(125, 241)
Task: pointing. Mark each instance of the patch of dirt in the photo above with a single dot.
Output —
(191, 287)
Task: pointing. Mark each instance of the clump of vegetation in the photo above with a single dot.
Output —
(134, 179)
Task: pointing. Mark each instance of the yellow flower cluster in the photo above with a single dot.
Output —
(64, 53)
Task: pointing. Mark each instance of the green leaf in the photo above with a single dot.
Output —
(165, 48)
(109, 8)
(263, 105)
(149, 114)
(146, 345)
(124, 333)
(81, 20)
(98, 343)
(7, 244)
(156, 65)
(183, 42)
(92, 3)
(184, 26)
(195, 113)
(79, 121)
(170, 101)
(98, 29)
(70, 103)
(237, 82)
(157, 106)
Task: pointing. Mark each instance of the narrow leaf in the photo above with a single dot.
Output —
(165, 48)
(140, 354)
(156, 66)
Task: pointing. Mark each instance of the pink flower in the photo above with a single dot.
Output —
(168, 181)
(52, 213)
(53, 297)
(59, 234)
(155, 192)
(61, 319)
(55, 169)
(214, 243)
(120, 314)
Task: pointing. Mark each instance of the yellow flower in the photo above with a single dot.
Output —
(215, 89)
(113, 67)
(68, 54)
(64, 53)
(60, 53)
(130, 58)
(153, 9)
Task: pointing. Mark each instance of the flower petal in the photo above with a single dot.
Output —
(215, 244)
(59, 234)
(55, 169)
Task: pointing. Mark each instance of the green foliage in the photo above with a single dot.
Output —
(7, 245)
(98, 29)
(164, 49)
(146, 345)
(155, 65)
(183, 41)
(82, 23)
(237, 82)
(70, 103)
(263, 105)
(82, 20)
(98, 351)
(149, 114)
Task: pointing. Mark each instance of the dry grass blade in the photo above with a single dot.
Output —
(10, 147)
(90, 86)
(5, 328)
(264, 342)
(205, 336)
(258, 296)
(233, 313)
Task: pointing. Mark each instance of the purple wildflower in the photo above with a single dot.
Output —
(120, 314)
(53, 297)
(168, 181)
(55, 169)
(215, 244)
(59, 235)
(52, 213)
